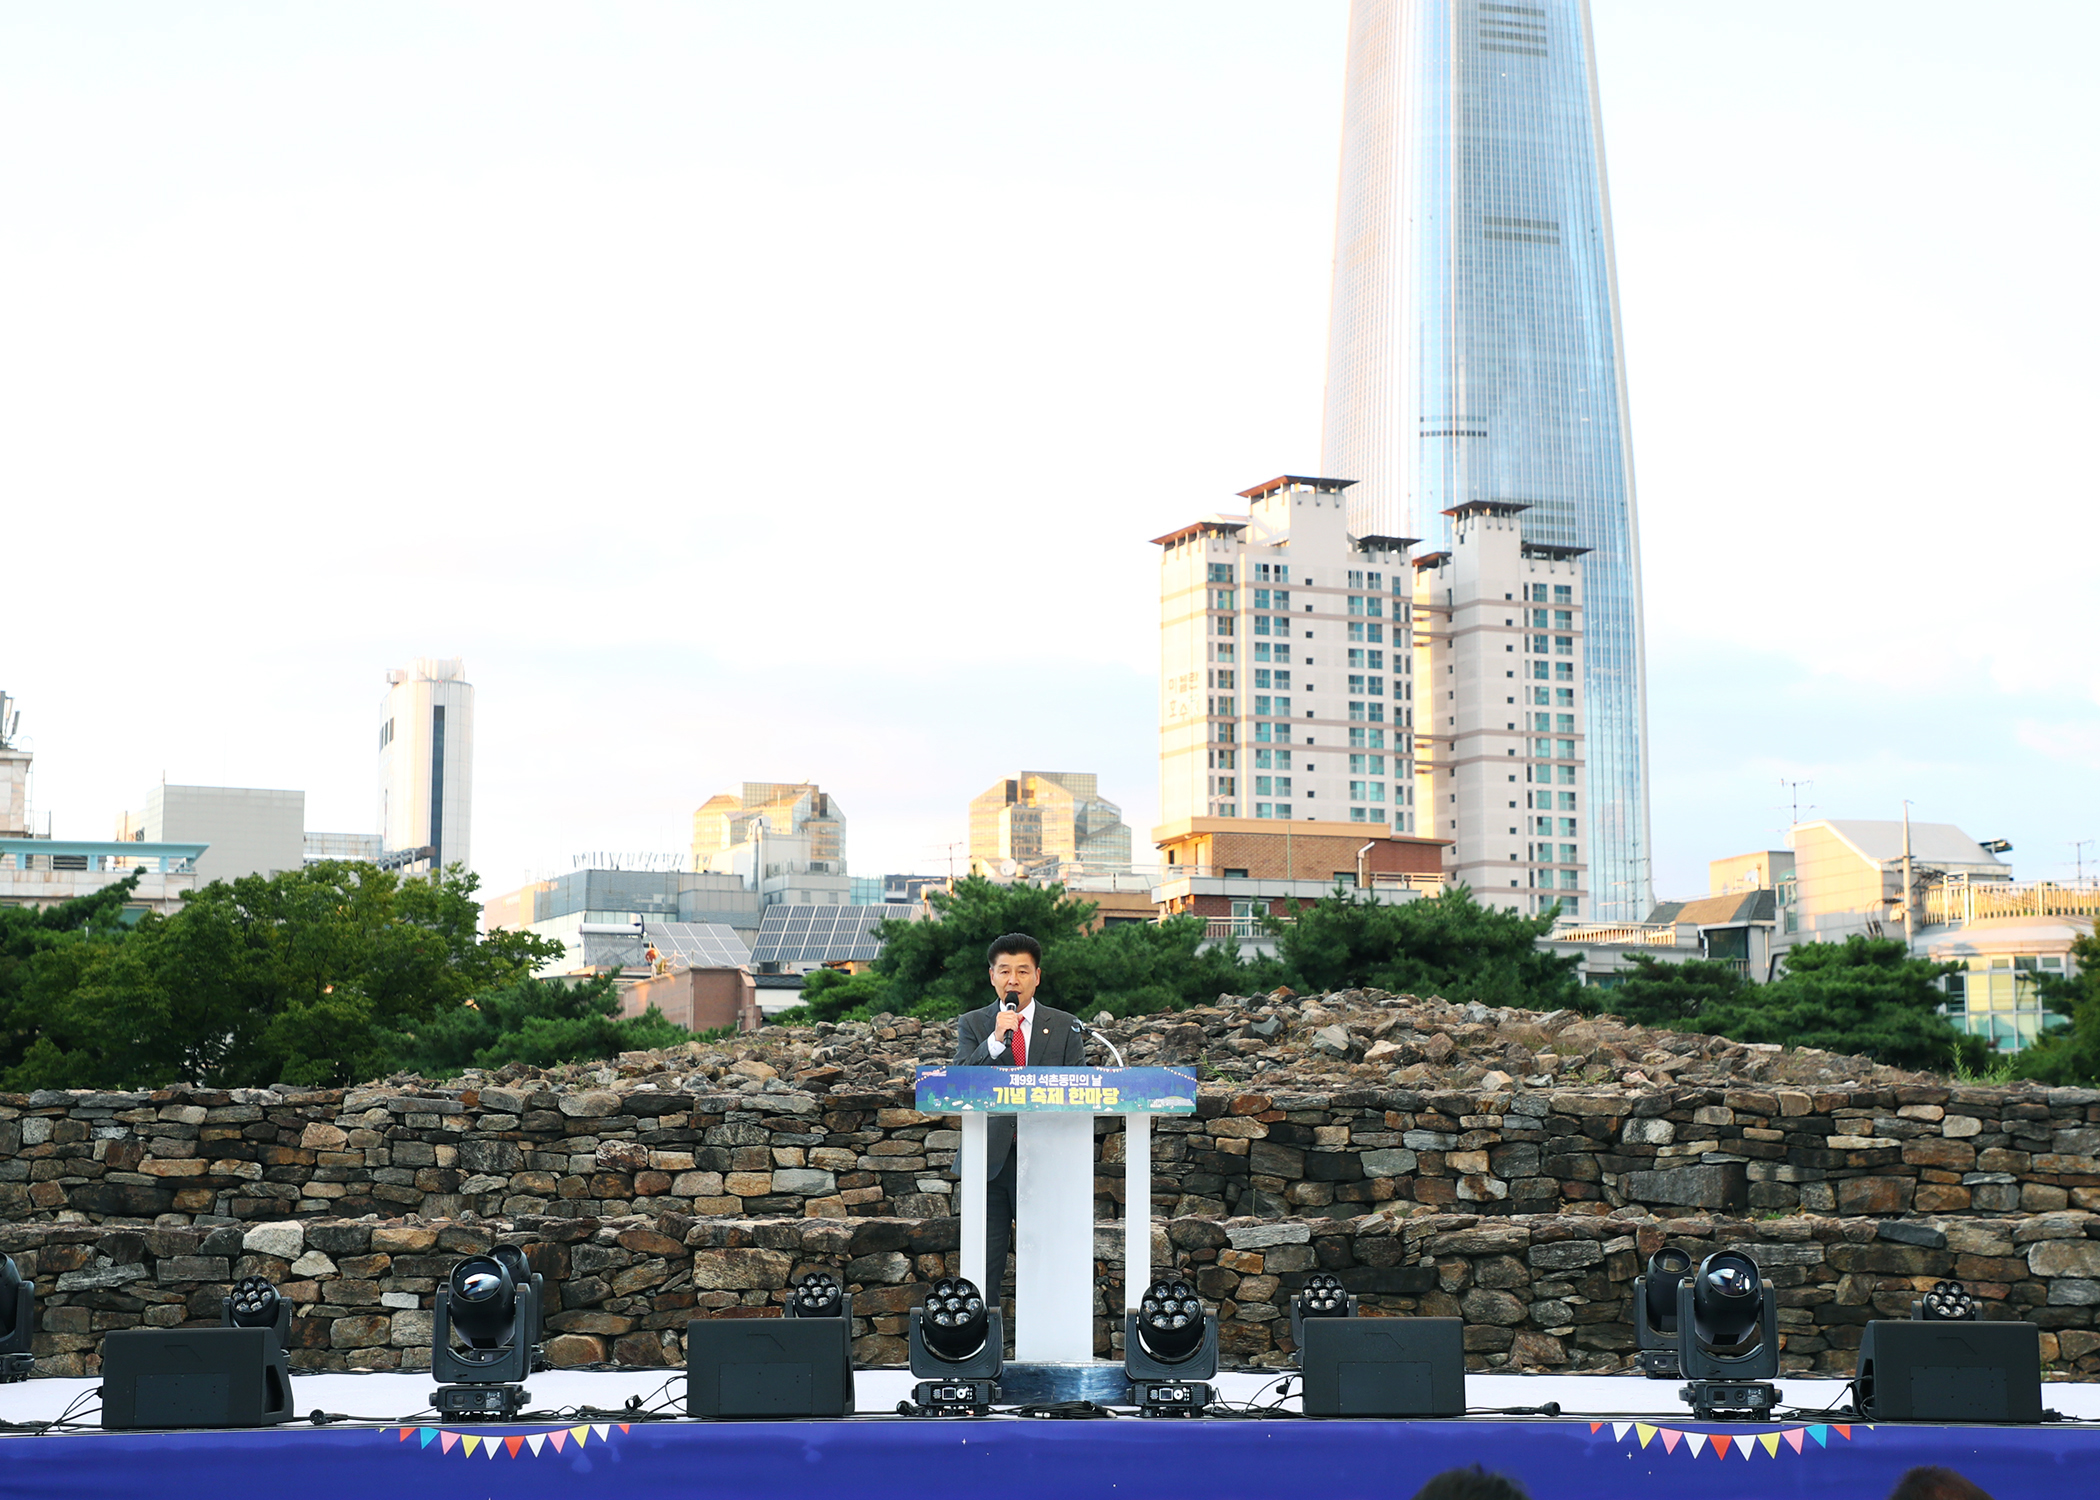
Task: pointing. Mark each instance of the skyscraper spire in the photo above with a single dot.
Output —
(1474, 350)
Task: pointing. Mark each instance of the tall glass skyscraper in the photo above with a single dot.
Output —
(1474, 350)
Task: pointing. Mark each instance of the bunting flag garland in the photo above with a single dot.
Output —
(1725, 1445)
(529, 1444)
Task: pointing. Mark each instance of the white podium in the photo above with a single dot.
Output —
(1054, 1200)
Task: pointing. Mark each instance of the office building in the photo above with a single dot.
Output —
(1474, 347)
(787, 839)
(1286, 680)
(606, 918)
(1042, 818)
(1499, 738)
(426, 766)
(250, 830)
(43, 871)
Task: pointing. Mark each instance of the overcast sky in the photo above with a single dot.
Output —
(788, 391)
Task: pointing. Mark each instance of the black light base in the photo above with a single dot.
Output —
(954, 1398)
(1730, 1400)
(1169, 1398)
(14, 1367)
(1658, 1364)
(479, 1403)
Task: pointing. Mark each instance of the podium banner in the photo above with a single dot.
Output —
(1102, 1091)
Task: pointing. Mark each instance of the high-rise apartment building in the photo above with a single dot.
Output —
(1474, 348)
(426, 765)
(1046, 817)
(788, 838)
(1499, 739)
(1287, 683)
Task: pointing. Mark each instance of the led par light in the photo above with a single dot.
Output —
(1321, 1297)
(1728, 1339)
(254, 1303)
(1655, 1312)
(1170, 1350)
(482, 1340)
(819, 1295)
(17, 1322)
(1947, 1302)
(957, 1350)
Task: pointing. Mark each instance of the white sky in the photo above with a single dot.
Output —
(776, 392)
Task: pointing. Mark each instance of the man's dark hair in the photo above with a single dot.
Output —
(1471, 1484)
(1014, 942)
(1931, 1482)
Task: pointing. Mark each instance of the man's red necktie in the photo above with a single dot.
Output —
(1020, 1041)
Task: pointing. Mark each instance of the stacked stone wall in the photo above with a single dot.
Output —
(781, 1147)
(1536, 1292)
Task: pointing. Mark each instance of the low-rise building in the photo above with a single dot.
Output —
(46, 872)
(250, 830)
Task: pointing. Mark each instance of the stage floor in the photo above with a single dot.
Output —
(1616, 1435)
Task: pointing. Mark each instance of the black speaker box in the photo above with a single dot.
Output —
(768, 1367)
(1384, 1367)
(162, 1378)
(1950, 1372)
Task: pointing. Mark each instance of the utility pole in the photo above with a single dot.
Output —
(1909, 922)
(2078, 854)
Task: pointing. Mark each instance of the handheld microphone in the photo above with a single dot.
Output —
(1010, 1000)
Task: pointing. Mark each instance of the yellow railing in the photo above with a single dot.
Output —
(1951, 901)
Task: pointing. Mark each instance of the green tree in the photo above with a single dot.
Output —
(1864, 995)
(1448, 945)
(303, 977)
(43, 954)
(538, 1022)
(2069, 1054)
(1652, 992)
(935, 969)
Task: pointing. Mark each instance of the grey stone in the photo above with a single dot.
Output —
(806, 1181)
(103, 1276)
(2064, 1258)
(1710, 1185)
(1910, 1232)
(284, 1240)
(1390, 1163)
(1261, 1236)
(1566, 1255)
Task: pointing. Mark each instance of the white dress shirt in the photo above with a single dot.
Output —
(996, 1044)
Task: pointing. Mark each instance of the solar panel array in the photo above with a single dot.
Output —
(703, 945)
(820, 934)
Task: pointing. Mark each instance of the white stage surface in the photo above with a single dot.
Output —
(395, 1398)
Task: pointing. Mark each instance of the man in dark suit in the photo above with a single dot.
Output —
(1012, 1032)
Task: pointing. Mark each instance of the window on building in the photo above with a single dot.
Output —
(1569, 879)
(1224, 760)
(1567, 828)
(1564, 723)
(1358, 791)
(1356, 630)
(1564, 749)
(1563, 671)
(1221, 786)
(1261, 650)
(1565, 697)
(1564, 774)
(1567, 802)
(1563, 593)
(1264, 810)
(1356, 604)
(1221, 625)
(1377, 661)
(1536, 645)
(1378, 791)
(1356, 682)
(1377, 687)
(1377, 631)
(1538, 619)
(1538, 669)
(1567, 854)
(1563, 619)
(1374, 580)
(1356, 578)
(1283, 599)
(1226, 651)
(1283, 680)
(1224, 676)
(1356, 712)
(1221, 573)
(1377, 713)
(1261, 680)
(1541, 722)
(1261, 625)
(1356, 657)
(1542, 825)
(1283, 651)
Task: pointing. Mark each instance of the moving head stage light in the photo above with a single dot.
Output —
(797, 1365)
(521, 1272)
(957, 1350)
(234, 1375)
(1946, 1366)
(17, 1322)
(1728, 1339)
(482, 1340)
(1321, 1297)
(1170, 1350)
(1655, 1312)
